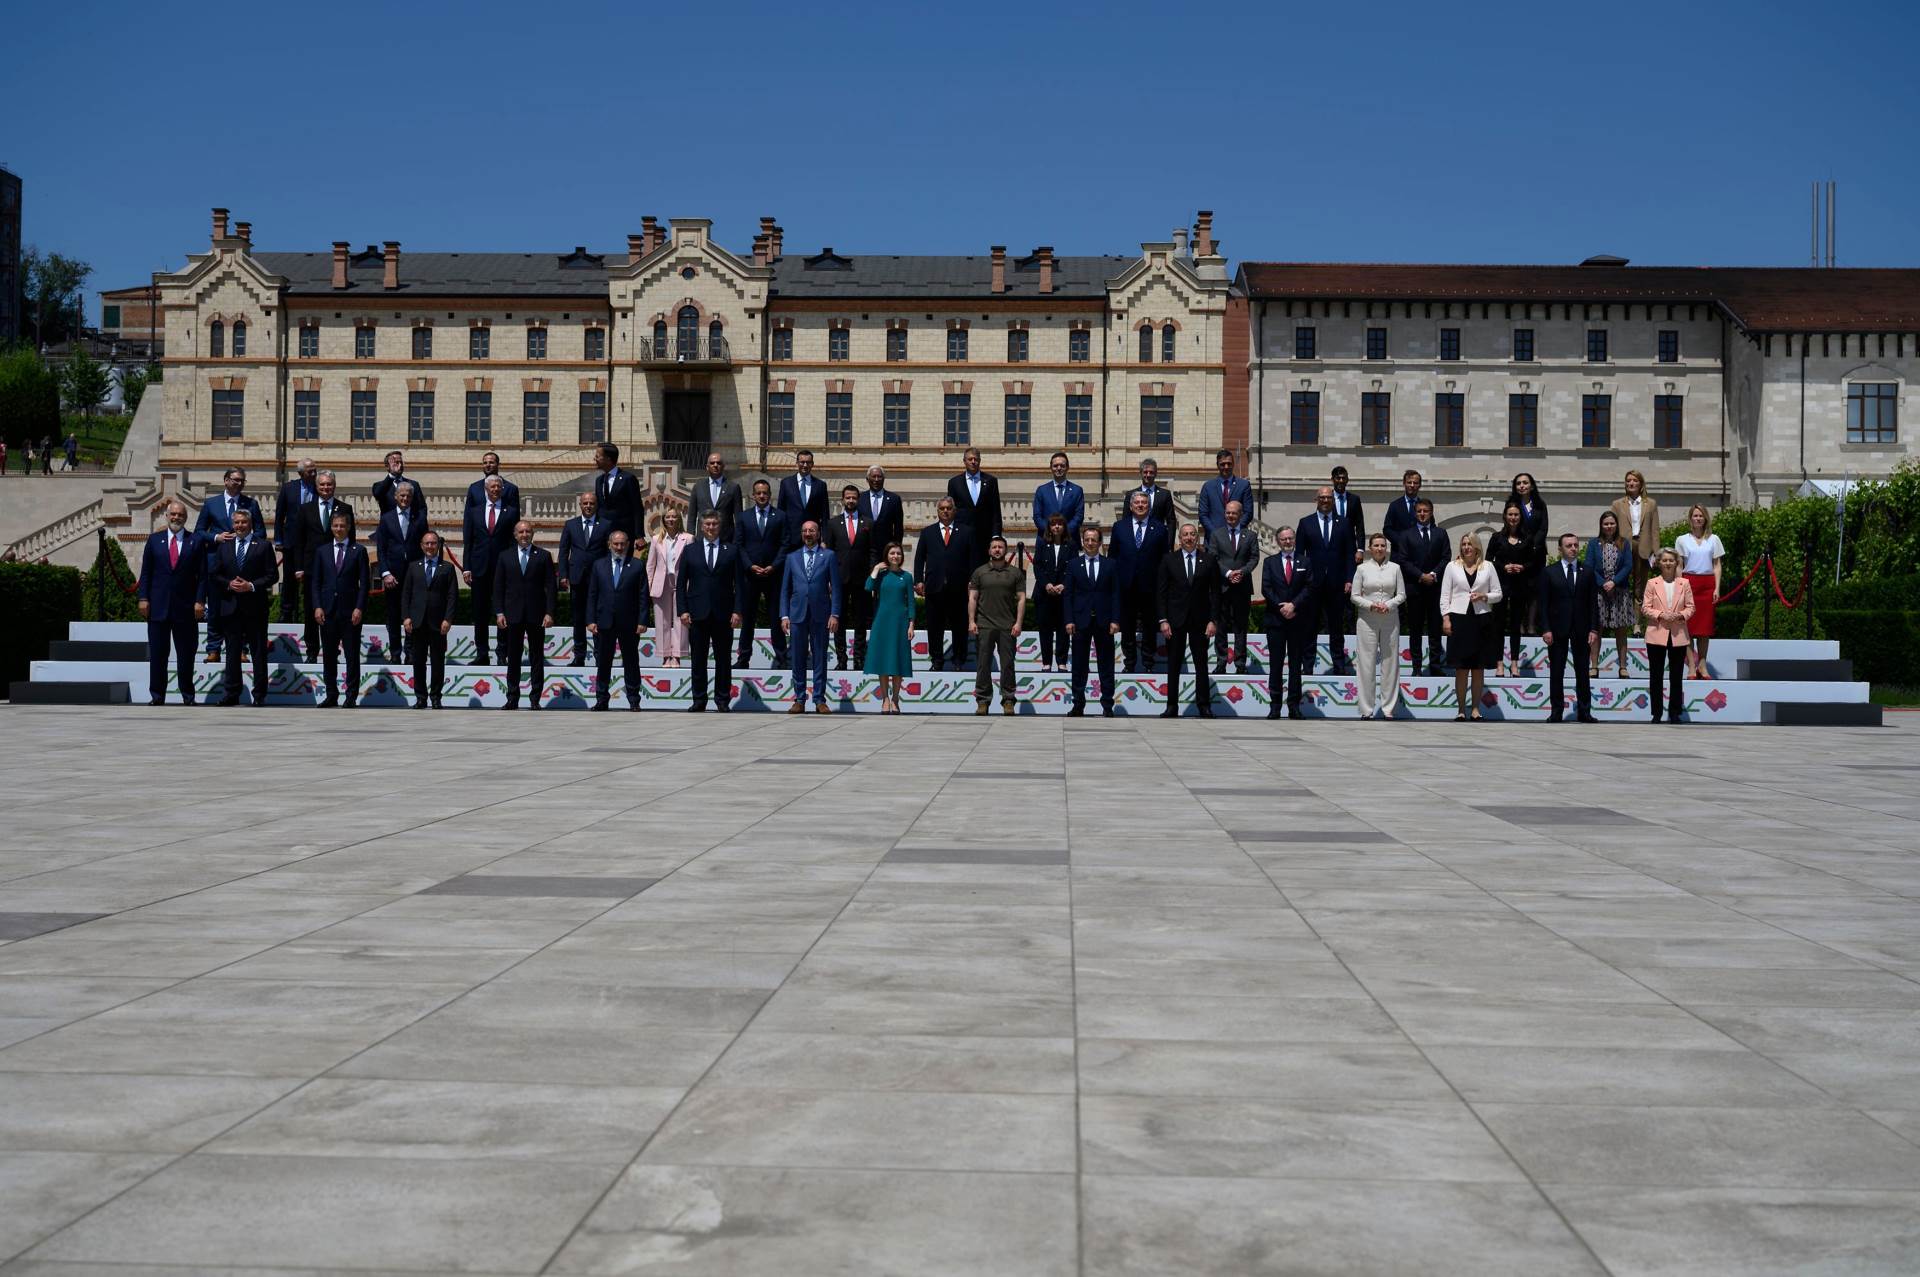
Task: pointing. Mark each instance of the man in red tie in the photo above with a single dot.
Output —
(1286, 582)
(942, 565)
(488, 534)
(169, 591)
(849, 534)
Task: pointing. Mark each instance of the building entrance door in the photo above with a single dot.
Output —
(686, 431)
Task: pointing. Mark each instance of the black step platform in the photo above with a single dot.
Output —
(1777, 670)
(95, 650)
(1820, 713)
(69, 694)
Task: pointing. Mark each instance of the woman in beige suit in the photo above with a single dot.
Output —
(1379, 588)
(663, 575)
(1468, 590)
(1667, 605)
(1639, 517)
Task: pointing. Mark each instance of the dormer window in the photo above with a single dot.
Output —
(827, 259)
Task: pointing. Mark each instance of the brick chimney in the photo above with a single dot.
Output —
(244, 232)
(391, 259)
(219, 224)
(999, 252)
(1203, 233)
(636, 248)
(1045, 254)
(760, 250)
(773, 245)
(766, 231)
(340, 247)
(650, 234)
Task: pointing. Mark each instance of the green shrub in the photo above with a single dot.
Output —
(1884, 646)
(29, 398)
(109, 595)
(38, 600)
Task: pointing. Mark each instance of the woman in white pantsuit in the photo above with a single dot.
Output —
(1379, 588)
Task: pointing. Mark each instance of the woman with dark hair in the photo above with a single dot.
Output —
(1051, 560)
(1515, 554)
(1525, 493)
(890, 639)
(1610, 558)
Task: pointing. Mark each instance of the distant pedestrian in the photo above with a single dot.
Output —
(3, 456)
(72, 446)
(46, 455)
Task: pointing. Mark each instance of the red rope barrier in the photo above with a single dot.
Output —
(1805, 584)
(1728, 596)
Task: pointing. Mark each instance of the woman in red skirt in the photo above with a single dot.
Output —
(1700, 554)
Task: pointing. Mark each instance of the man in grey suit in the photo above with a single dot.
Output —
(718, 493)
(1236, 549)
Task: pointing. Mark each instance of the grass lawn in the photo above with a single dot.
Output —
(100, 438)
(1895, 695)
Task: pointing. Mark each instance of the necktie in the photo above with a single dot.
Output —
(710, 563)
(523, 563)
(240, 556)
(805, 488)
(339, 555)
(1326, 528)
(326, 514)
(1286, 565)
(403, 527)
(1093, 568)
(877, 499)
(1569, 573)
(616, 574)
(430, 563)
(1233, 535)
(1226, 492)
(493, 516)
(946, 535)
(809, 562)
(589, 526)
(763, 518)
(173, 551)
(853, 528)
(1189, 567)
(1060, 492)
(1139, 534)
(1426, 534)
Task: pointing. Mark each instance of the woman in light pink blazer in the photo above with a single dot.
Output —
(663, 577)
(1667, 605)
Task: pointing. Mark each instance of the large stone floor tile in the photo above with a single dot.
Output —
(1454, 1021)
(899, 1062)
(43, 1192)
(1197, 1017)
(1291, 1071)
(1138, 977)
(981, 1013)
(275, 1049)
(126, 1113)
(456, 1047)
(1632, 1076)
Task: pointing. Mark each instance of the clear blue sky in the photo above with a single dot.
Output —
(1675, 132)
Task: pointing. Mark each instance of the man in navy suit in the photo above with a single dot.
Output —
(802, 497)
(583, 543)
(761, 535)
(525, 598)
(215, 526)
(809, 611)
(1349, 507)
(426, 610)
(1400, 515)
(708, 592)
(976, 504)
(1159, 500)
(477, 490)
(1136, 547)
(1059, 495)
(397, 543)
(942, 566)
(716, 492)
(1569, 614)
(616, 607)
(1423, 555)
(338, 580)
(242, 584)
(1093, 617)
(394, 480)
(617, 491)
(1188, 586)
(294, 493)
(1326, 540)
(883, 510)
(169, 591)
(848, 536)
(1216, 493)
(1286, 583)
(313, 528)
(488, 533)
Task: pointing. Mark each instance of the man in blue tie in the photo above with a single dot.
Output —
(525, 598)
(802, 497)
(338, 580)
(809, 612)
(1093, 618)
(169, 591)
(583, 543)
(243, 577)
(426, 608)
(617, 602)
(1059, 495)
(294, 493)
(215, 527)
(761, 535)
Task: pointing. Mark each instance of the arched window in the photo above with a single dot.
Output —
(716, 339)
(659, 339)
(239, 337)
(686, 337)
(1166, 344)
(1146, 343)
(217, 340)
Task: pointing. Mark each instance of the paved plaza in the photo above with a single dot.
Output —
(297, 991)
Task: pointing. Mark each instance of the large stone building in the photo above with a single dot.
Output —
(130, 321)
(12, 285)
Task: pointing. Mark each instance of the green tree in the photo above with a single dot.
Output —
(52, 283)
(84, 382)
(29, 397)
(133, 384)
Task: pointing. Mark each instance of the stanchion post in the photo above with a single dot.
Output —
(1766, 596)
(1806, 580)
(100, 576)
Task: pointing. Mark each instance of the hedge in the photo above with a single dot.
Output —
(38, 600)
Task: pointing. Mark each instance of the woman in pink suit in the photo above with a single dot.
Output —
(1667, 606)
(663, 575)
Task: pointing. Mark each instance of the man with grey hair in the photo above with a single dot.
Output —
(171, 568)
(884, 511)
(294, 493)
(313, 529)
(1235, 549)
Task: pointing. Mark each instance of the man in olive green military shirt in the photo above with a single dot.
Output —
(996, 594)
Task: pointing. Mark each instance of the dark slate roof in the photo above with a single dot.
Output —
(564, 274)
(829, 274)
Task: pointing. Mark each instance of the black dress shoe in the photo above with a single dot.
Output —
(1206, 711)
(1170, 712)
(599, 707)
(1274, 712)
(578, 662)
(698, 707)
(158, 700)
(635, 707)
(1556, 718)
(1293, 711)
(330, 703)
(1220, 667)
(1106, 711)
(419, 704)
(723, 708)
(436, 703)
(1587, 718)
(1656, 716)
(351, 703)
(1078, 711)
(188, 700)
(1241, 668)
(511, 705)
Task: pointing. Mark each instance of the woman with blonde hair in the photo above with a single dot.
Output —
(1700, 554)
(1639, 516)
(1667, 604)
(1468, 590)
(663, 576)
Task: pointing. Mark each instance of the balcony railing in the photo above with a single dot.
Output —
(685, 350)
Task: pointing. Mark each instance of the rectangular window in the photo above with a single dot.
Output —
(423, 343)
(1080, 421)
(596, 343)
(956, 345)
(109, 316)
(1669, 345)
(229, 413)
(1376, 418)
(1304, 426)
(1016, 345)
(533, 415)
(1146, 345)
(1304, 343)
(419, 416)
(1523, 421)
(217, 340)
(1666, 420)
(1449, 343)
(896, 420)
(306, 415)
(363, 343)
(593, 416)
(1596, 345)
(480, 416)
(1449, 421)
(780, 415)
(479, 342)
(239, 340)
(1079, 346)
(783, 344)
(957, 422)
(309, 342)
(365, 415)
(1596, 421)
(840, 416)
(1167, 337)
(1019, 420)
(536, 343)
(838, 342)
(896, 345)
(1376, 343)
(1523, 345)
(1156, 421)
(1872, 412)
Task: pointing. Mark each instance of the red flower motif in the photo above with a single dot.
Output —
(1716, 700)
(1489, 699)
(482, 686)
(911, 689)
(1234, 693)
(1417, 692)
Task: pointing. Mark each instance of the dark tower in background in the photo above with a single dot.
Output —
(11, 285)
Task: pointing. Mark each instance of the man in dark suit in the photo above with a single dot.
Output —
(1569, 615)
(942, 566)
(169, 592)
(488, 533)
(338, 579)
(1093, 618)
(1399, 517)
(1326, 541)
(617, 492)
(1286, 583)
(849, 536)
(1135, 548)
(312, 529)
(616, 605)
(397, 543)
(1423, 555)
(717, 493)
(395, 479)
(426, 611)
(583, 543)
(810, 594)
(1216, 493)
(243, 577)
(1159, 499)
(1236, 549)
(1188, 598)
(1349, 507)
(803, 498)
(525, 598)
(883, 510)
(761, 537)
(1059, 495)
(976, 504)
(477, 490)
(294, 493)
(215, 527)
(708, 592)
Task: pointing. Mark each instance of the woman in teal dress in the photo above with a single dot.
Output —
(890, 637)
